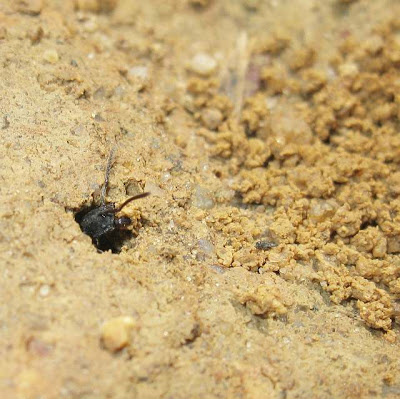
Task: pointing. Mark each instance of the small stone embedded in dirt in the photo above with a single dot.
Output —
(202, 198)
(203, 64)
(38, 347)
(139, 71)
(211, 117)
(51, 56)
(115, 333)
(206, 246)
(138, 76)
(265, 245)
(44, 290)
(90, 25)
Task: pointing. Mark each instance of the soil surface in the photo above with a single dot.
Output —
(266, 261)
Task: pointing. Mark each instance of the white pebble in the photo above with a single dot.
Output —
(165, 177)
(90, 26)
(203, 198)
(203, 64)
(51, 56)
(115, 333)
(206, 246)
(44, 290)
(140, 72)
(211, 117)
(171, 225)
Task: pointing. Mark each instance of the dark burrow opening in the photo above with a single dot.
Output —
(113, 240)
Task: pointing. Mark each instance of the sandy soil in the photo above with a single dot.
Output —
(265, 263)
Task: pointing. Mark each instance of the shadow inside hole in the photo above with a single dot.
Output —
(112, 241)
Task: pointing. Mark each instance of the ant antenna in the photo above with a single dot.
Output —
(135, 197)
(108, 169)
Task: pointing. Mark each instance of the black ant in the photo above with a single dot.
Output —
(101, 224)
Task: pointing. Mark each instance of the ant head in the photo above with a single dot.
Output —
(122, 222)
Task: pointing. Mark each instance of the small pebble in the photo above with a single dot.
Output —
(171, 225)
(165, 177)
(206, 246)
(90, 25)
(271, 102)
(100, 93)
(38, 347)
(138, 76)
(78, 130)
(119, 91)
(265, 245)
(218, 269)
(202, 198)
(211, 118)
(51, 56)
(97, 117)
(44, 290)
(203, 64)
(140, 72)
(115, 333)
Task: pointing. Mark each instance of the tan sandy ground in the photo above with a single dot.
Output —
(266, 262)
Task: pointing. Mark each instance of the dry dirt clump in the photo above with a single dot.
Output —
(325, 158)
(266, 261)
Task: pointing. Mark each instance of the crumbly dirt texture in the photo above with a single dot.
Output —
(265, 263)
